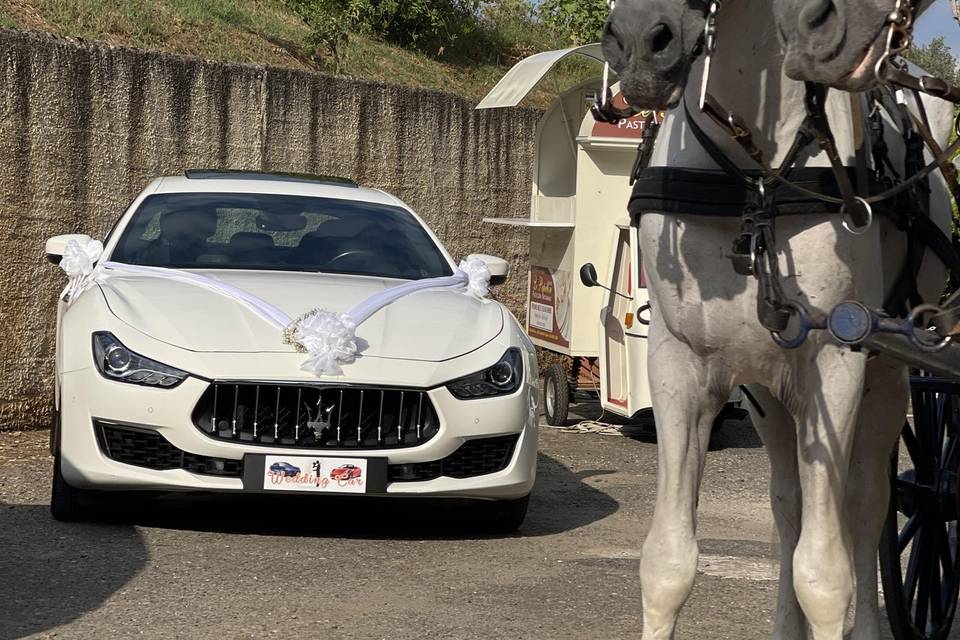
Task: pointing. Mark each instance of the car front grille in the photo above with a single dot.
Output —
(147, 448)
(474, 458)
(316, 417)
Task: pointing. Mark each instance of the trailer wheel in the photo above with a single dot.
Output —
(556, 395)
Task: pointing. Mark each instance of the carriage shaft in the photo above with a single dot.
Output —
(945, 362)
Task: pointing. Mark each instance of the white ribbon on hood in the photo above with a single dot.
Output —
(329, 338)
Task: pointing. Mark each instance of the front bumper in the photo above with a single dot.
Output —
(86, 396)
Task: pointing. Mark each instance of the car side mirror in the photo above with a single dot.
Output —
(588, 275)
(499, 268)
(58, 244)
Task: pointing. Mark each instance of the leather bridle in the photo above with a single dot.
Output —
(754, 250)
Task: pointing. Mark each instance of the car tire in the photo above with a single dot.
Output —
(504, 516)
(67, 503)
(556, 395)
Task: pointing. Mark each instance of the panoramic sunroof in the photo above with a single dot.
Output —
(230, 174)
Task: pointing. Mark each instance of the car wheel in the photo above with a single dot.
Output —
(504, 516)
(556, 395)
(67, 503)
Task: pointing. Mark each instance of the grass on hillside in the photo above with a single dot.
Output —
(262, 32)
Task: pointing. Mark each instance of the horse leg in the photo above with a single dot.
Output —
(881, 419)
(777, 431)
(825, 400)
(685, 404)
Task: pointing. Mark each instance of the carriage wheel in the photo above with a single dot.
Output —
(556, 395)
(919, 558)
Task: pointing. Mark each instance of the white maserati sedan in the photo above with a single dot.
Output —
(163, 384)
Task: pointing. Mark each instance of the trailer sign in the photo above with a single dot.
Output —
(632, 127)
(548, 316)
(541, 316)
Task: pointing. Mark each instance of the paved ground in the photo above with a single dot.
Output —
(396, 570)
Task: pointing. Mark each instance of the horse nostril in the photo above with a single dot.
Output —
(816, 14)
(611, 38)
(661, 38)
(613, 49)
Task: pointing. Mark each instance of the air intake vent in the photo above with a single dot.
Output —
(147, 448)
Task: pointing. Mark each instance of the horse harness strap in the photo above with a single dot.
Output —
(754, 249)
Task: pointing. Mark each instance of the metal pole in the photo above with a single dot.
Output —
(606, 65)
(945, 362)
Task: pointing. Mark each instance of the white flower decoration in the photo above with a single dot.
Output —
(329, 338)
(478, 274)
(79, 261)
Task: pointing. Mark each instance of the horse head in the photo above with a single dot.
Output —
(840, 42)
(651, 44)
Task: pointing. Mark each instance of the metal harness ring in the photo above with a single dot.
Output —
(914, 335)
(900, 21)
(801, 313)
(847, 224)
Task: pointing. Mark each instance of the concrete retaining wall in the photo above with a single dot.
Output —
(83, 128)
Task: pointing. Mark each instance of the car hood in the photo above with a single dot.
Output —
(432, 325)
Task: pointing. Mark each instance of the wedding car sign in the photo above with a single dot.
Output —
(328, 338)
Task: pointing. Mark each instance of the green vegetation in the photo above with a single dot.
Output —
(936, 59)
(581, 20)
(463, 46)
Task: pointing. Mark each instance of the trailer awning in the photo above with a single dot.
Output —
(526, 74)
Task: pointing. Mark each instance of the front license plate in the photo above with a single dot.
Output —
(314, 474)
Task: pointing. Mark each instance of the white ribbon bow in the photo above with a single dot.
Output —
(331, 338)
(79, 263)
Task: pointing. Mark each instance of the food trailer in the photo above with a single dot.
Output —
(578, 217)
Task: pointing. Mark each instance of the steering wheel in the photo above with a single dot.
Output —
(353, 253)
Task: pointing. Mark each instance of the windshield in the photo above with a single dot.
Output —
(279, 232)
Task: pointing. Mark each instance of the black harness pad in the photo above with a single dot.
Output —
(712, 192)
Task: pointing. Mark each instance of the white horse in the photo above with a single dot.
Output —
(832, 415)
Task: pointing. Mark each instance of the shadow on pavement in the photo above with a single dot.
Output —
(52, 573)
(735, 434)
(560, 502)
(733, 429)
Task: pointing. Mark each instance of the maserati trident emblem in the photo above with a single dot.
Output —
(320, 421)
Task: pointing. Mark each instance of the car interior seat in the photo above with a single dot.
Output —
(248, 247)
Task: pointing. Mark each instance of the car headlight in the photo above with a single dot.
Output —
(116, 362)
(502, 378)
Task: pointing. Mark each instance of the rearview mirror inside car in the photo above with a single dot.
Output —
(281, 222)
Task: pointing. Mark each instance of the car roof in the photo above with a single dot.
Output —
(272, 184)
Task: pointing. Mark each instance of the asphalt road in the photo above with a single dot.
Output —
(309, 568)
